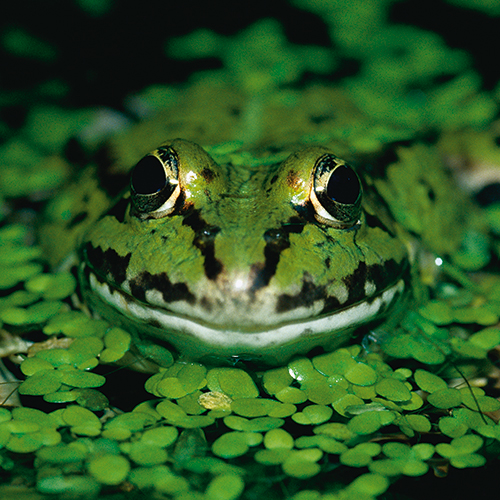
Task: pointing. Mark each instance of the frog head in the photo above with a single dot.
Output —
(246, 256)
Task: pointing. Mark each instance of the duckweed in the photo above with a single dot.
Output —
(214, 432)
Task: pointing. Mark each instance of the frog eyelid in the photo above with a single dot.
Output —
(335, 192)
(154, 184)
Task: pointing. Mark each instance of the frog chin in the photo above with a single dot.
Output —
(271, 343)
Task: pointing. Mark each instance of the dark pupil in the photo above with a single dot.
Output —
(148, 176)
(343, 185)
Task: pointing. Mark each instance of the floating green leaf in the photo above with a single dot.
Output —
(225, 487)
(231, 445)
(445, 398)
(109, 469)
(393, 389)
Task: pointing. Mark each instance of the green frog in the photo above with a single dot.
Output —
(259, 227)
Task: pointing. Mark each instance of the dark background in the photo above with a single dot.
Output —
(105, 58)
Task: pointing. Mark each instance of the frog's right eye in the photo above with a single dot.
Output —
(154, 184)
(336, 192)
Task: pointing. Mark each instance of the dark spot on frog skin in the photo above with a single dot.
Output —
(108, 263)
(291, 178)
(308, 295)
(206, 304)
(170, 292)
(235, 111)
(208, 174)
(204, 240)
(320, 119)
(380, 275)
(430, 190)
(355, 283)
(77, 219)
(276, 240)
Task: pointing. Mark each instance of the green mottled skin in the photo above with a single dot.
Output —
(260, 154)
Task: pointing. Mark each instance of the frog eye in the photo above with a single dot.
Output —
(154, 184)
(336, 192)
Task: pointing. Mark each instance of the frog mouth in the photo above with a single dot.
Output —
(180, 330)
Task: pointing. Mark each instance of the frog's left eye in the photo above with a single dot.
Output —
(154, 184)
(336, 192)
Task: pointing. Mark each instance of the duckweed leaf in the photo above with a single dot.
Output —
(486, 339)
(82, 421)
(61, 397)
(343, 404)
(117, 343)
(321, 392)
(230, 445)
(452, 427)
(445, 398)
(170, 411)
(313, 414)
(370, 485)
(361, 374)
(259, 424)
(291, 395)
(62, 453)
(302, 464)
(190, 403)
(252, 407)
(160, 436)
(91, 399)
(145, 454)
(276, 380)
(336, 362)
(479, 402)
(393, 390)
(361, 455)
(428, 381)
(24, 443)
(302, 370)
(72, 484)
(109, 469)
(78, 378)
(32, 365)
(460, 446)
(233, 382)
(418, 423)
(52, 286)
(278, 438)
(370, 422)
(225, 487)
(40, 383)
(282, 410)
(273, 456)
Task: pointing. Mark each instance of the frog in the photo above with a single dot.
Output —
(234, 227)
